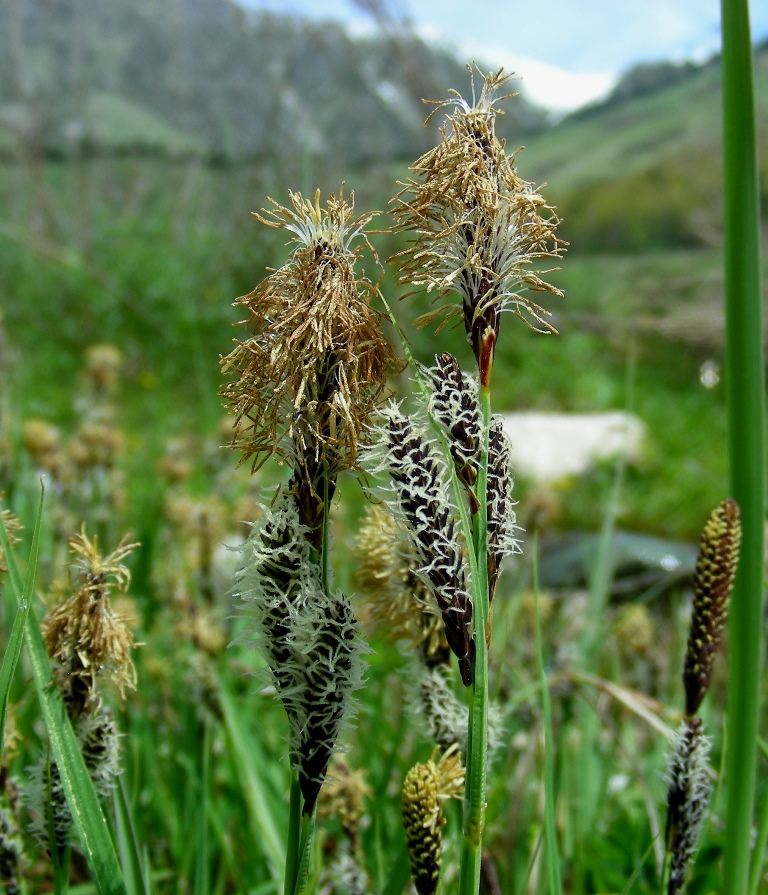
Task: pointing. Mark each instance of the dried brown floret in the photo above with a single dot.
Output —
(478, 226)
(83, 634)
(316, 363)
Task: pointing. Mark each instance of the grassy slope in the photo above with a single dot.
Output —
(616, 140)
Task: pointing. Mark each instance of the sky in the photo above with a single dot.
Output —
(568, 52)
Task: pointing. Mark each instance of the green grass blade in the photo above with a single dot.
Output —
(294, 823)
(16, 640)
(135, 873)
(261, 814)
(87, 817)
(201, 863)
(399, 875)
(552, 858)
(746, 433)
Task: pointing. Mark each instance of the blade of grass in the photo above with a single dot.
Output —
(260, 810)
(201, 862)
(550, 796)
(88, 820)
(746, 433)
(16, 640)
(292, 848)
(399, 875)
(135, 870)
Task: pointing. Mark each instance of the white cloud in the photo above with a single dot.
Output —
(560, 90)
(551, 86)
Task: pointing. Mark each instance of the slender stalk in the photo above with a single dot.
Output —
(306, 835)
(292, 858)
(201, 859)
(477, 739)
(746, 436)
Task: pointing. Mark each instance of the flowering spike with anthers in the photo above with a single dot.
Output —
(687, 798)
(425, 788)
(421, 500)
(398, 601)
(344, 797)
(479, 227)
(311, 373)
(11, 525)
(83, 634)
(712, 584)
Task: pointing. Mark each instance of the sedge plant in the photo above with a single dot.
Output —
(304, 386)
(477, 230)
(688, 774)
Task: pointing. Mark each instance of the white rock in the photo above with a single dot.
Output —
(552, 446)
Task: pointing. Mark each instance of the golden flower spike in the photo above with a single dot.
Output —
(479, 227)
(83, 634)
(316, 361)
(425, 788)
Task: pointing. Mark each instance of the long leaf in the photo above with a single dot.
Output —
(745, 391)
(87, 817)
(134, 863)
(16, 640)
(260, 810)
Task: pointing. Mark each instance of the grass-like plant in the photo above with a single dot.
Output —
(307, 382)
(477, 230)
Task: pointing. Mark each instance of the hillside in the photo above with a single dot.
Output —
(206, 77)
(643, 169)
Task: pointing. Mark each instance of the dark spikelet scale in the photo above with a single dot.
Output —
(10, 855)
(687, 799)
(482, 315)
(277, 539)
(422, 832)
(455, 407)
(98, 740)
(416, 474)
(499, 495)
(324, 697)
(712, 584)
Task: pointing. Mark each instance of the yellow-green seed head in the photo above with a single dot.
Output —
(425, 788)
(712, 584)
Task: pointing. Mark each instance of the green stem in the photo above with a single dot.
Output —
(292, 855)
(746, 420)
(307, 833)
(477, 735)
